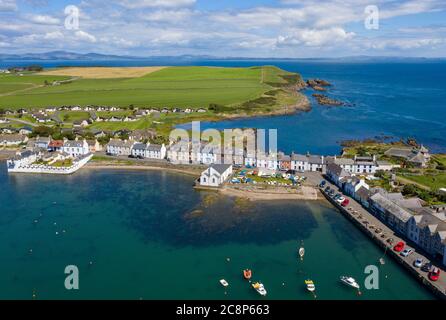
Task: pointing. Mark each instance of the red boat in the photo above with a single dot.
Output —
(247, 274)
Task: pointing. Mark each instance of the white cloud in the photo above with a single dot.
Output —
(85, 36)
(44, 19)
(315, 37)
(8, 5)
(134, 4)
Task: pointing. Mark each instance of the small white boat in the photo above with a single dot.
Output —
(301, 253)
(350, 282)
(310, 285)
(224, 283)
(259, 288)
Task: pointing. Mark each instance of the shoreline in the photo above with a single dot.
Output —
(98, 165)
(307, 194)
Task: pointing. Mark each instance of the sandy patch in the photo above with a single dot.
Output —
(103, 73)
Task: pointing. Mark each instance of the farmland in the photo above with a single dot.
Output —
(251, 89)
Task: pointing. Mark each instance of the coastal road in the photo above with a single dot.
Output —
(369, 222)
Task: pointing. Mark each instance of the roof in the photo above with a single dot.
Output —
(73, 144)
(337, 170)
(221, 168)
(56, 144)
(391, 207)
(12, 137)
(363, 193)
(120, 144)
(344, 161)
(154, 147)
(139, 146)
(298, 157)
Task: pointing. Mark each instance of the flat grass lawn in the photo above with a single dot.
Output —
(10, 83)
(74, 116)
(434, 182)
(170, 87)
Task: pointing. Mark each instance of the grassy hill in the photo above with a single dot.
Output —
(180, 87)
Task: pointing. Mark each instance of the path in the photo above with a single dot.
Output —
(408, 181)
(23, 122)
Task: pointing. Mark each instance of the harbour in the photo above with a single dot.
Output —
(145, 246)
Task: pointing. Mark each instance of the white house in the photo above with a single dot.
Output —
(139, 150)
(21, 159)
(353, 184)
(154, 151)
(215, 175)
(76, 148)
(179, 153)
(12, 139)
(118, 147)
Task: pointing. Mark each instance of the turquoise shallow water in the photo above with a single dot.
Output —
(150, 236)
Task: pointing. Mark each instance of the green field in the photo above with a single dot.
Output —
(434, 182)
(180, 87)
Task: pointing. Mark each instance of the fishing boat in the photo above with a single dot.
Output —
(247, 274)
(259, 288)
(310, 285)
(224, 283)
(350, 282)
(302, 253)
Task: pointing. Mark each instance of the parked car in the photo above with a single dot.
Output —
(340, 200)
(390, 241)
(399, 246)
(434, 275)
(418, 263)
(406, 252)
(323, 183)
(427, 267)
(345, 203)
(327, 189)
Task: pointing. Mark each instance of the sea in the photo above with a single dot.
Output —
(150, 235)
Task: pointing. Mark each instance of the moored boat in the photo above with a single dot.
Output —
(247, 274)
(302, 253)
(310, 285)
(259, 288)
(224, 283)
(350, 282)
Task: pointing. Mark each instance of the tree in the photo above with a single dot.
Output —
(410, 190)
(2, 112)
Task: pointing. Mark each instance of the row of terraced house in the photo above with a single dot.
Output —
(410, 217)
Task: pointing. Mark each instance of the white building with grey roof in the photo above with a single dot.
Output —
(215, 175)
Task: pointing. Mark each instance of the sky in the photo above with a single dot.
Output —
(226, 28)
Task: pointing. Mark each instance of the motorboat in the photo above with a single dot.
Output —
(310, 285)
(247, 274)
(350, 282)
(302, 253)
(259, 288)
(224, 283)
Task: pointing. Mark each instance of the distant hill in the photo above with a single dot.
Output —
(65, 55)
